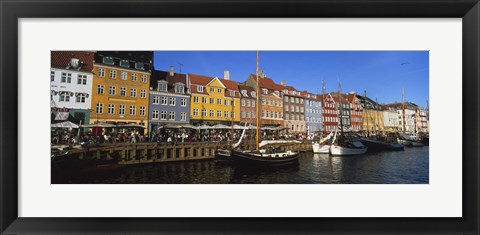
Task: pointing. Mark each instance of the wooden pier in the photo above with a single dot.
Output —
(139, 153)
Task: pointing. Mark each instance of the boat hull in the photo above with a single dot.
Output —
(321, 148)
(417, 144)
(255, 159)
(343, 151)
(378, 146)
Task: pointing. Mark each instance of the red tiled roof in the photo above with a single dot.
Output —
(230, 86)
(61, 59)
(199, 79)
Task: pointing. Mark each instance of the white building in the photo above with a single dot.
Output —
(71, 84)
(392, 120)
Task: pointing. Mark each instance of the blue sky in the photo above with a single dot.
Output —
(381, 73)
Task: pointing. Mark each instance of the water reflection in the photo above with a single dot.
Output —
(409, 166)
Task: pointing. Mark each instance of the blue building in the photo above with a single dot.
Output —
(313, 113)
(169, 99)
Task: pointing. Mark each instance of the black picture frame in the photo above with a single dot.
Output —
(11, 11)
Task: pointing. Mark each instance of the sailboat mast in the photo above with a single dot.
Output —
(377, 122)
(323, 107)
(403, 109)
(231, 115)
(366, 111)
(340, 108)
(257, 138)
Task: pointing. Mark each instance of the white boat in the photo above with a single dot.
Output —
(322, 148)
(357, 148)
(405, 142)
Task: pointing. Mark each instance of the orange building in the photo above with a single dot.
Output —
(120, 87)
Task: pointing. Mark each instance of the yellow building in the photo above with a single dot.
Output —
(212, 99)
(120, 89)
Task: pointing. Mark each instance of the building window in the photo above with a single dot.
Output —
(52, 76)
(219, 101)
(155, 114)
(204, 112)
(242, 114)
(82, 79)
(132, 110)
(81, 98)
(144, 78)
(247, 102)
(124, 63)
(123, 75)
(212, 101)
(172, 101)
(133, 92)
(121, 109)
(108, 60)
(195, 112)
(139, 65)
(253, 103)
(184, 102)
(286, 108)
(164, 100)
(183, 116)
(195, 99)
(225, 114)
(243, 103)
(100, 89)
(179, 89)
(123, 91)
(171, 115)
(162, 86)
(212, 89)
(113, 73)
(111, 109)
(163, 115)
(200, 88)
(142, 110)
(65, 97)
(66, 78)
(134, 77)
(99, 108)
(227, 102)
(219, 90)
(143, 93)
(101, 72)
(232, 93)
(212, 113)
(156, 100)
(204, 100)
(111, 90)
(219, 113)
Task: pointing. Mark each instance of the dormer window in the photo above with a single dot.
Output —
(108, 60)
(285, 91)
(124, 63)
(162, 86)
(265, 91)
(179, 89)
(277, 93)
(253, 94)
(200, 88)
(232, 93)
(244, 92)
(139, 65)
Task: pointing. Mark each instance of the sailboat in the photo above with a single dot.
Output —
(342, 145)
(405, 139)
(373, 144)
(269, 156)
(321, 146)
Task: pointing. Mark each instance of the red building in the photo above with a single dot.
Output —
(248, 104)
(356, 111)
(330, 113)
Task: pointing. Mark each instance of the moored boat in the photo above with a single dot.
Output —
(377, 146)
(264, 158)
(320, 148)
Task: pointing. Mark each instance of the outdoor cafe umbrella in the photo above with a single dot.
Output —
(204, 127)
(66, 124)
(238, 127)
(104, 125)
(130, 125)
(221, 126)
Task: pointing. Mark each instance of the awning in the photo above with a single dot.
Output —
(61, 116)
(104, 125)
(67, 124)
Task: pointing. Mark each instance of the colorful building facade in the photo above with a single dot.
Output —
(329, 113)
(71, 85)
(120, 87)
(169, 99)
(248, 104)
(313, 112)
(213, 100)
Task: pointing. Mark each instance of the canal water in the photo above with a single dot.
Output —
(404, 167)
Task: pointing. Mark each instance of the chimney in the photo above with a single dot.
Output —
(283, 82)
(226, 75)
(171, 71)
(262, 74)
